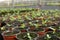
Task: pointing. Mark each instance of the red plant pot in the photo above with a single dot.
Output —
(41, 34)
(48, 30)
(10, 37)
(23, 30)
(32, 28)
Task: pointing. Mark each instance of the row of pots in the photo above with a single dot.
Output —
(23, 36)
(8, 36)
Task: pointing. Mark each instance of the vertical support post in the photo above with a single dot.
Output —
(39, 4)
(13, 3)
(8, 3)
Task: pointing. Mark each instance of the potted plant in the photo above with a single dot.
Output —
(41, 34)
(23, 26)
(57, 34)
(9, 36)
(32, 27)
(26, 36)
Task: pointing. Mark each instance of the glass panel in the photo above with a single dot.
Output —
(25, 2)
(5, 3)
(43, 4)
(50, 4)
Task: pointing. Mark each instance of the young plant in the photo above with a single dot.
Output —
(22, 25)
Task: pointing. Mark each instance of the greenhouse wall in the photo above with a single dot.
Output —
(43, 4)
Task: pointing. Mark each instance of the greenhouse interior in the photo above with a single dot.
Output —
(29, 19)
